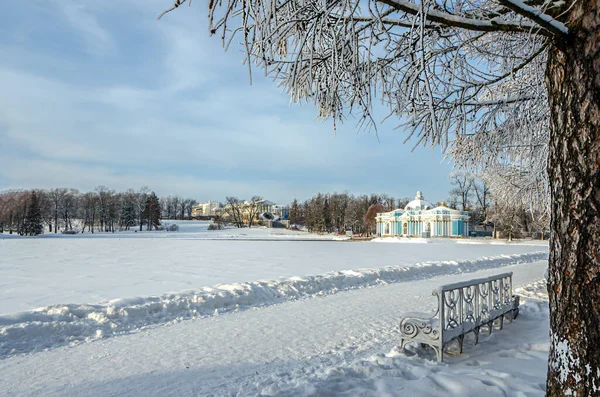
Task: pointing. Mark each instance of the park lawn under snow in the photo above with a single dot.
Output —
(268, 316)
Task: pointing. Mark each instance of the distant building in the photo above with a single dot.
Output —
(283, 212)
(205, 209)
(264, 206)
(420, 219)
(263, 210)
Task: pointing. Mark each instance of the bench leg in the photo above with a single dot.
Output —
(461, 339)
(501, 322)
(476, 332)
(402, 344)
(439, 353)
(490, 327)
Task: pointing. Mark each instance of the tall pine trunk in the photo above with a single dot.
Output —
(573, 80)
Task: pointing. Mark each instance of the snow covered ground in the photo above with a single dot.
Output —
(340, 344)
(288, 318)
(78, 269)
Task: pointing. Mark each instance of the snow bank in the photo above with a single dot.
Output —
(60, 325)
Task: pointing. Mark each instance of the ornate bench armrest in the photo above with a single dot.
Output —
(419, 326)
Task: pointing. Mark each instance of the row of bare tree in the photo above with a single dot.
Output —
(241, 212)
(177, 207)
(102, 210)
(336, 212)
(24, 217)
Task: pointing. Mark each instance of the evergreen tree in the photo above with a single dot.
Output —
(32, 224)
(327, 214)
(294, 212)
(152, 211)
(128, 214)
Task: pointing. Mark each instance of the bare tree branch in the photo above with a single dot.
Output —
(175, 5)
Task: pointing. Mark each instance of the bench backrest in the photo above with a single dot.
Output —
(474, 301)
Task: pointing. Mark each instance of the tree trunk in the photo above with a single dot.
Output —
(573, 81)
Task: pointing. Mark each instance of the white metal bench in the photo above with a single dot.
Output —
(462, 308)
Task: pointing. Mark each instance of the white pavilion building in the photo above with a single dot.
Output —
(420, 219)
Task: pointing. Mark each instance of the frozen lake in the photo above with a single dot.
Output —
(59, 269)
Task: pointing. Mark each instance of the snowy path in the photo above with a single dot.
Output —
(254, 351)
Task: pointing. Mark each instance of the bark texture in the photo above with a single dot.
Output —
(573, 79)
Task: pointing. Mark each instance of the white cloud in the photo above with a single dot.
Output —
(98, 40)
(196, 128)
(46, 174)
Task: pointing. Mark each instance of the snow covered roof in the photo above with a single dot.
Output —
(261, 202)
(444, 207)
(418, 203)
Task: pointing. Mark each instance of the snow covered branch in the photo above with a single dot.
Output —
(467, 76)
(535, 14)
(447, 19)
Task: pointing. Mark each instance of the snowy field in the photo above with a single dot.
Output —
(67, 269)
(253, 312)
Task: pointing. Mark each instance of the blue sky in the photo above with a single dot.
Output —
(101, 93)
